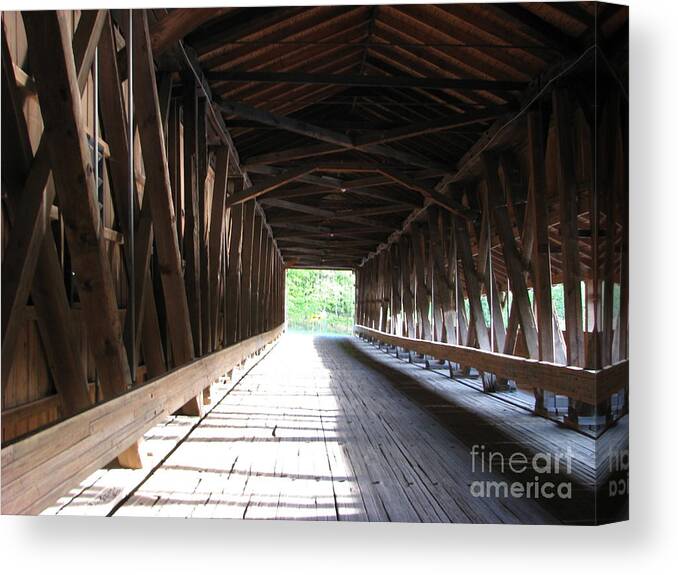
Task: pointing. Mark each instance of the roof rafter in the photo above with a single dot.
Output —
(369, 81)
(367, 141)
(322, 134)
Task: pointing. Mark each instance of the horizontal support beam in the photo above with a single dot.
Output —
(39, 469)
(588, 386)
(367, 81)
(390, 174)
(324, 135)
(365, 141)
(285, 123)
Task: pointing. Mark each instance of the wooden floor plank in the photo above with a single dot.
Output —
(334, 428)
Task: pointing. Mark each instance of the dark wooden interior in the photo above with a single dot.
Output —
(465, 161)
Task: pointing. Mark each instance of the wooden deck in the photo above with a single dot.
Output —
(332, 428)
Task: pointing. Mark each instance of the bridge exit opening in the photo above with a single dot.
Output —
(320, 300)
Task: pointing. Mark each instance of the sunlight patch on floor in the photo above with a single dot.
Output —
(271, 450)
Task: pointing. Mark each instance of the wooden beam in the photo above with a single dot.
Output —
(567, 193)
(459, 327)
(486, 273)
(265, 273)
(396, 289)
(48, 292)
(585, 385)
(31, 218)
(160, 194)
(428, 127)
(534, 26)
(175, 165)
(499, 130)
(541, 256)
(254, 278)
(360, 217)
(612, 180)
(408, 295)
(233, 272)
(422, 279)
(442, 288)
(216, 231)
(323, 134)
(203, 157)
(428, 193)
(472, 285)
(290, 154)
(381, 137)
(365, 81)
(53, 66)
(176, 24)
(244, 325)
(285, 123)
(39, 469)
(512, 258)
(267, 185)
(192, 209)
(114, 124)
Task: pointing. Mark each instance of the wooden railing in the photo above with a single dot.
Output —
(40, 468)
(586, 385)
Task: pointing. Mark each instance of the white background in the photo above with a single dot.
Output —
(648, 543)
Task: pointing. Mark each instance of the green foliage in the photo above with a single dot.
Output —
(320, 300)
(557, 294)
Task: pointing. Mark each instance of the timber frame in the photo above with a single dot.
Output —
(162, 169)
(130, 287)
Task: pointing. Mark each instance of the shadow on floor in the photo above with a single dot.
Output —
(474, 428)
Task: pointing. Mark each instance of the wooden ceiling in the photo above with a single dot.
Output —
(347, 117)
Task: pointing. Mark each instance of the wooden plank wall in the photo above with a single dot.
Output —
(446, 279)
(29, 397)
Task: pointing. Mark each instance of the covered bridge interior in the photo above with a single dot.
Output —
(161, 169)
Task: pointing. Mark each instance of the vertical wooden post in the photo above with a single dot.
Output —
(216, 232)
(486, 272)
(246, 270)
(254, 280)
(568, 197)
(455, 334)
(234, 271)
(384, 289)
(541, 255)
(30, 220)
(115, 128)
(174, 164)
(442, 289)
(264, 316)
(161, 201)
(408, 296)
(396, 289)
(422, 294)
(512, 257)
(612, 183)
(54, 70)
(433, 224)
(48, 291)
(472, 284)
(192, 230)
(203, 162)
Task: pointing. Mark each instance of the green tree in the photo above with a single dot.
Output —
(320, 300)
